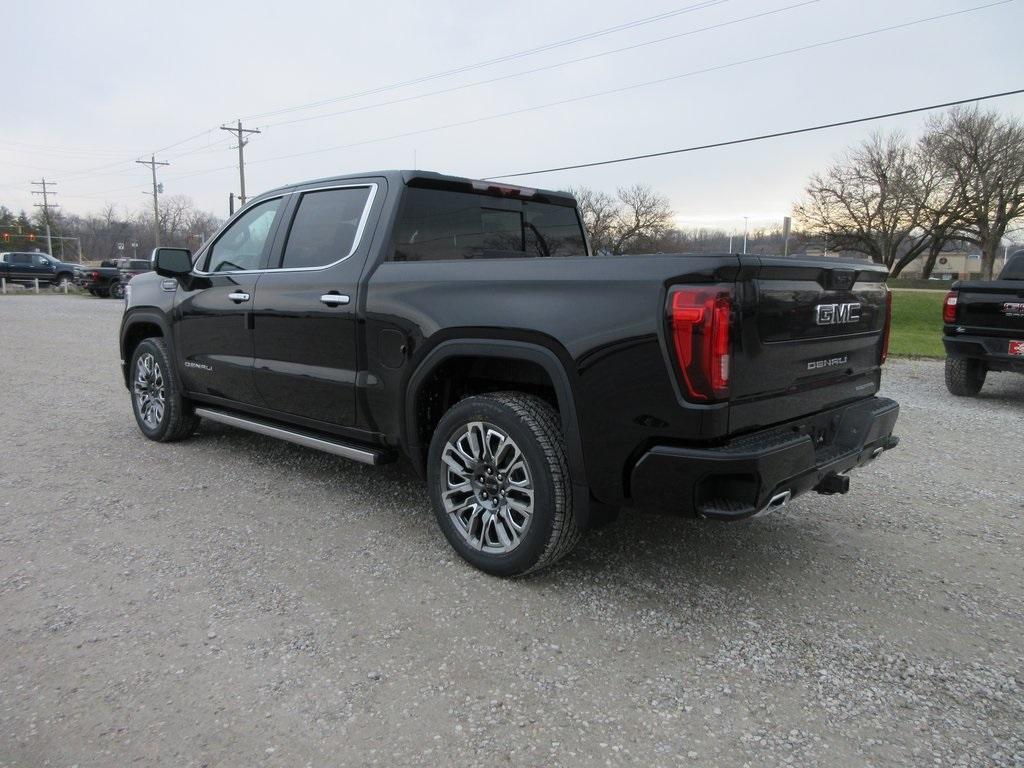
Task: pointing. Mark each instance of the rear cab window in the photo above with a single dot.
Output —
(444, 225)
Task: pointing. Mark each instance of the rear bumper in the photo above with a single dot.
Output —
(991, 349)
(743, 477)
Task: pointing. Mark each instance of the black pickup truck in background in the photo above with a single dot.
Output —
(127, 269)
(465, 326)
(983, 328)
(110, 277)
(99, 281)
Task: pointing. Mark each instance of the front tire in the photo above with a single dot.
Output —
(500, 485)
(160, 410)
(965, 376)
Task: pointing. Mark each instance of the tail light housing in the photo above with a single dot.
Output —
(699, 323)
(95, 275)
(949, 308)
(888, 326)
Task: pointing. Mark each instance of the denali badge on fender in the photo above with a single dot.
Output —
(837, 314)
(828, 363)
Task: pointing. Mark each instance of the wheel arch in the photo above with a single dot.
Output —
(139, 325)
(511, 350)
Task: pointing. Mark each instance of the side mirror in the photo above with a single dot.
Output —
(172, 262)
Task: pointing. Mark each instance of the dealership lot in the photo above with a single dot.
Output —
(231, 600)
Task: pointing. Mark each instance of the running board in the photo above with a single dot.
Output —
(328, 445)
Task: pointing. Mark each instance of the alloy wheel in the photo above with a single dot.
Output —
(150, 391)
(487, 488)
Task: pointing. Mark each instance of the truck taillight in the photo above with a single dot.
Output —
(95, 275)
(949, 308)
(699, 319)
(888, 326)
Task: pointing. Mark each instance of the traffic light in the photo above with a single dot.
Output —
(32, 237)
(7, 237)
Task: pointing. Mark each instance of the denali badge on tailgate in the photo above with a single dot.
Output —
(837, 314)
(827, 363)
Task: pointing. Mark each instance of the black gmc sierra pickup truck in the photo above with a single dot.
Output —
(983, 328)
(538, 388)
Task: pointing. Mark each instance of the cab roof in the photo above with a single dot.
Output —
(433, 180)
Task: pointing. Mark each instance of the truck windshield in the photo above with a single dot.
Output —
(436, 225)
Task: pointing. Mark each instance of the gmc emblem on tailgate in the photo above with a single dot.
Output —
(837, 314)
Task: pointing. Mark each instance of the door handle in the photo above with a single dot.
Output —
(334, 299)
(238, 296)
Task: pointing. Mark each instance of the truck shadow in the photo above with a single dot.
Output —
(661, 562)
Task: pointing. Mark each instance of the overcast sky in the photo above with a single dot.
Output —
(112, 81)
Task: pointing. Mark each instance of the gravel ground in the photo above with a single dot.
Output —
(232, 600)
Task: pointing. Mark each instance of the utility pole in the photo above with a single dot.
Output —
(153, 163)
(746, 220)
(240, 132)
(45, 205)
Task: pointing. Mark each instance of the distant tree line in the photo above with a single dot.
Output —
(895, 200)
(181, 223)
(888, 199)
(637, 219)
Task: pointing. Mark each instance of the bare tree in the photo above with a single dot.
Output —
(635, 220)
(869, 202)
(641, 220)
(598, 210)
(942, 204)
(984, 153)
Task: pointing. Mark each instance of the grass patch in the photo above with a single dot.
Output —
(917, 324)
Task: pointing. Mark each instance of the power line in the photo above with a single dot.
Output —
(240, 132)
(633, 86)
(545, 68)
(763, 136)
(497, 60)
(728, 65)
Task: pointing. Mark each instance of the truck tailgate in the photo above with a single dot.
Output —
(810, 339)
(995, 309)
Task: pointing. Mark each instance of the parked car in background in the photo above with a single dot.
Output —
(984, 328)
(99, 281)
(127, 269)
(27, 267)
(536, 387)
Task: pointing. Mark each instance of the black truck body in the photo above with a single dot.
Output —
(983, 328)
(99, 281)
(717, 385)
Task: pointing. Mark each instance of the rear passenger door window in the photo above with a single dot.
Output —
(325, 227)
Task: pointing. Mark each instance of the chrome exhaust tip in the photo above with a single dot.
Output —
(775, 502)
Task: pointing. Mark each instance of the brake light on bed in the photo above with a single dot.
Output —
(699, 323)
(949, 308)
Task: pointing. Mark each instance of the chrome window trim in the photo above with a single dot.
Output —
(371, 185)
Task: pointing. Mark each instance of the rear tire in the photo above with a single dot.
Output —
(499, 481)
(117, 291)
(964, 376)
(160, 410)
